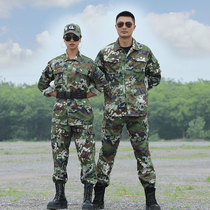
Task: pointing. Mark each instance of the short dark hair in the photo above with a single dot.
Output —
(126, 14)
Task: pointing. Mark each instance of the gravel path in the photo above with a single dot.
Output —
(183, 176)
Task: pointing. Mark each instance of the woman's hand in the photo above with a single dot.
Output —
(54, 93)
(90, 94)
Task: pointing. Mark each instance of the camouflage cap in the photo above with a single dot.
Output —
(72, 28)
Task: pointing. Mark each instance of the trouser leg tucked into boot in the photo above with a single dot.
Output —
(98, 202)
(87, 201)
(151, 203)
(59, 201)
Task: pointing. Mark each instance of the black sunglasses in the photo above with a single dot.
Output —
(121, 24)
(69, 37)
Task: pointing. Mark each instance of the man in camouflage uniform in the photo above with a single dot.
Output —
(73, 74)
(131, 70)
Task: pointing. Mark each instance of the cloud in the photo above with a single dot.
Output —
(43, 38)
(11, 53)
(54, 3)
(3, 30)
(7, 6)
(97, 23)
(182, 33)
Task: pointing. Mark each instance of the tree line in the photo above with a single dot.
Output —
(176, 110)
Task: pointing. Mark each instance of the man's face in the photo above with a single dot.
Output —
(125, 27)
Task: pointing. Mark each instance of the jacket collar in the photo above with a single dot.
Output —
(135, 45)
(78, 57)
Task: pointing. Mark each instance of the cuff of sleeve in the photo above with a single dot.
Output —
(48, 90)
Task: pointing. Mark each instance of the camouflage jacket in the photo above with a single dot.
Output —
(72, 74)
(129, 77)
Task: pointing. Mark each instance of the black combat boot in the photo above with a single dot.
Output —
(87, 201)
(151, 203)
(98, 202)
(59, 201)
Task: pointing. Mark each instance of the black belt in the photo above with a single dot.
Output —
(77, 94)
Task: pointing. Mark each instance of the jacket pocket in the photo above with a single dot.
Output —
(58, 73)
(138, 63)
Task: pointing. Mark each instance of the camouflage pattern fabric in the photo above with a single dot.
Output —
(130, 76)
(138, 131)
(61, 136)
(72, 28)
(70, 75)
(72, 118)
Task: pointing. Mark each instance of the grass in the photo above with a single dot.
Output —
(181, 147)
(122, 190)
(21, 153)
(16, 193)
(182, 156)
(44, 150)
(175, 193)
(189, 188)
(126, 149)
(191, 192)
(126, 190)
(168, 194)
(169, 156)
(119, 192)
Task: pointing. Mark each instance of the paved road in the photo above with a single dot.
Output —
(183, 176)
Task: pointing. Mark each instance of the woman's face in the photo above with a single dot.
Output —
(72, 41)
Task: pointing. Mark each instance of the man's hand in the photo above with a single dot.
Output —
(90, 94)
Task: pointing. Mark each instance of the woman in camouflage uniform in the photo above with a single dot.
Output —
(73, 74)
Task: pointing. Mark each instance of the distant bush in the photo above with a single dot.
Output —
(196, 128)
(176, 110)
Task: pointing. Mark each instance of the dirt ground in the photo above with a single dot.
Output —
(182, 168)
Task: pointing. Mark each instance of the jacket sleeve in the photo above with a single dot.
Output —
(153, 71)
(98, 80)
(100, 64)
(46, 77)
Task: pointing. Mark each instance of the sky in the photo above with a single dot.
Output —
(31, 34)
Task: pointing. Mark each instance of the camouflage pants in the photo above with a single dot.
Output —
(138, 131)
(61, 136)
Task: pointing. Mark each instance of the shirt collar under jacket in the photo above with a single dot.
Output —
(78, 57)
(135, 45)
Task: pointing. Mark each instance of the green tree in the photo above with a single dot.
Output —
(26, 114)
(172, 105)
(196, 128)
(97, 123)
